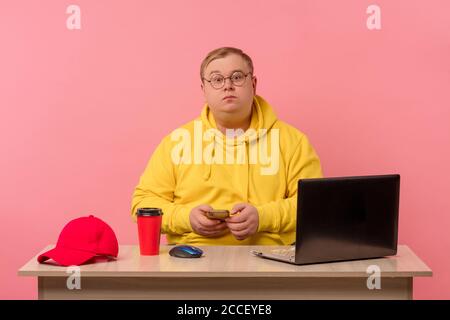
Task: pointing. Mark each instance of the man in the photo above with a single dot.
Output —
(237, 156)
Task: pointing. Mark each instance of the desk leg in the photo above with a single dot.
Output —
(230, 288)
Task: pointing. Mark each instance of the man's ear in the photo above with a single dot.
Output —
(202, 86)
(254, 82)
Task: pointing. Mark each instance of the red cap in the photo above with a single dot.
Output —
(81, 240)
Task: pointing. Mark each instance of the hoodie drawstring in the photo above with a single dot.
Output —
(247, 169)
(207, 172)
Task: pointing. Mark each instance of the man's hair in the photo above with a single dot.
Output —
(222, 53)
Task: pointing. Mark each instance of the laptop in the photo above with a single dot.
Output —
(342, 219)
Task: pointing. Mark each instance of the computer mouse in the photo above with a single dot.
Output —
(185, 251)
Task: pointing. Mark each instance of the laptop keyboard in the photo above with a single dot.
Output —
(286, 253)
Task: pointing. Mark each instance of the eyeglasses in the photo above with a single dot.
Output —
(238, 78)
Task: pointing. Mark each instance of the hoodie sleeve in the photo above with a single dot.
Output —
(156, 189)
(280, 216)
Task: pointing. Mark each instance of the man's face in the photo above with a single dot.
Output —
(231, 101)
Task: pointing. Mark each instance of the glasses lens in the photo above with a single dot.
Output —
(238, 78)
(217, 81)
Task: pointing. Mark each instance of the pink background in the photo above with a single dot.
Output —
(82, 111)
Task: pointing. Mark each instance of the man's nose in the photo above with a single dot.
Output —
(228, 84)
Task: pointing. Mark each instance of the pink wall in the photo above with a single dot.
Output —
(82, 110)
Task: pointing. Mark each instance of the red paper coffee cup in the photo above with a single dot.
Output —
(149, 229)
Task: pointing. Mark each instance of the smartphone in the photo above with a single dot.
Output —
(218, 214)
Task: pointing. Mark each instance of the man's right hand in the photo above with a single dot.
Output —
(205, 226)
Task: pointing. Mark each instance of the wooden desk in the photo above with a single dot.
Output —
(227, 272)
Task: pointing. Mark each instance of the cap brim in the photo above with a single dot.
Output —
(66, 257)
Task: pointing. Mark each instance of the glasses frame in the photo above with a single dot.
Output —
(229, 77)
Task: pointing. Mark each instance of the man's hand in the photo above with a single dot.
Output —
(205, 226)
(245, 222)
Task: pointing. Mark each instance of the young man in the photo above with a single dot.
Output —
(236, 156)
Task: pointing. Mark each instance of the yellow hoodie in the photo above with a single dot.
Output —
(196, 164)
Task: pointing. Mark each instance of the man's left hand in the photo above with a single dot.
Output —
(244, 221)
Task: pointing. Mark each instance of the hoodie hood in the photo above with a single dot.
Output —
(263, 117)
